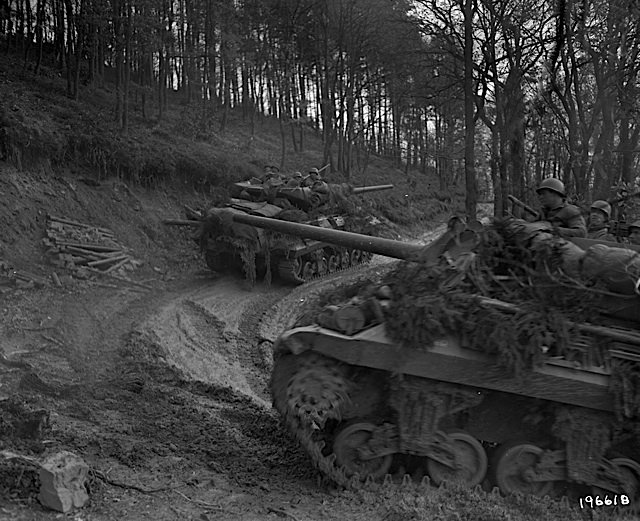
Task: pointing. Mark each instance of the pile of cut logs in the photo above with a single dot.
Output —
(79, 246)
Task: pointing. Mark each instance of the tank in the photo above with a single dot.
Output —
(229, 242)
(448, 368)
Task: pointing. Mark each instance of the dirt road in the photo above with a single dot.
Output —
(165, 394)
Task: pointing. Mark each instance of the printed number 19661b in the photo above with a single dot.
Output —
(598, 501)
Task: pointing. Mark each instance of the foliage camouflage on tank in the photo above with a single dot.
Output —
(296, 260)
(498, 365)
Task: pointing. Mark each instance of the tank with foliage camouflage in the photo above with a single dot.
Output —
(227, 243)
(503, 356)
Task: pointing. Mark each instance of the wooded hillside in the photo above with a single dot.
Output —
(537, 88)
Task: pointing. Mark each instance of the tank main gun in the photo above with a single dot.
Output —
(381, 246)
(373, 188)
(454, 240)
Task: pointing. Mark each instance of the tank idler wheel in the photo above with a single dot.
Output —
(345, 447)
(355, 257)
(332, 264)
(471, 460)
(321, 266)
(630, 473)
(308, 271)
(512, 461)
(345, 260)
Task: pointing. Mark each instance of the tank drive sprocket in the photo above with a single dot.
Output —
(308, 390)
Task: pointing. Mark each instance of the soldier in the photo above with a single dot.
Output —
(598, 221)
(634, 233)
(314, 176)
(295, 181)
(565, 218)
(320, 186)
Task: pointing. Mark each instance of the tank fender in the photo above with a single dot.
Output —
(301, 339)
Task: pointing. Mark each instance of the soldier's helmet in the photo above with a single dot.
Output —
(297, 175)
(314, 171)
(635, 224)
(602, 206)
(554, 185)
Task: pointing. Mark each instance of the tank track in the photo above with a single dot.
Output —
(303, 422)
(304, 417)
(287, 269)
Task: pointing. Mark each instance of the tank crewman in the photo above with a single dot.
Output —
(598, 221)
(634, 233)
(564, 217)
(320, 186)
(295, 181)
(314, 175)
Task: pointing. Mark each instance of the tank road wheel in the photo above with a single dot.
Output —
(332, 264)
(290, 270)
(630, 473)
(355, 257)
(321, 267)
(308, 271)
(471, 460)
(345, 260)
(510, 470)
(346, 445)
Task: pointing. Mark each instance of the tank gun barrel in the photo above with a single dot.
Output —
(387, 247)
(374, 188)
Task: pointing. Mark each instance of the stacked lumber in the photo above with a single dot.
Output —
(82, 247)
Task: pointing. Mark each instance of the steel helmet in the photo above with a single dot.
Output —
(314, 171)
(297, 174)
(553, 184)
(603, 206)
(635, 224)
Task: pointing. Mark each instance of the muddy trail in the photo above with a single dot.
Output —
(165, 395)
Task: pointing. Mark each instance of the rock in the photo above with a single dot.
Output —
(62, 478)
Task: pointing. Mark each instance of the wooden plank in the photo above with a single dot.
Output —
(120, 264)
(95, 254)
(93, 247)
(106, 262)
(78, 225)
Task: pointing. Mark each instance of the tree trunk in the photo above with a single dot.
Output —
(469, 113)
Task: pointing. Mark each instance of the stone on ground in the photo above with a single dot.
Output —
(62, 478)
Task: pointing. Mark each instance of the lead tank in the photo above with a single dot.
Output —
(227, 242)
(458, 366)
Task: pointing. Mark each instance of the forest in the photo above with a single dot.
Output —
(490, 95)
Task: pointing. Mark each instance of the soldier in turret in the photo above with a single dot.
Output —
(314, 176)
(295, 181)
(564, 217)
(598, 221)
(319, 185)
(634, 233)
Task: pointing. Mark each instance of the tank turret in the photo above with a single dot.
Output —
(501, 345)
(302, 197)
